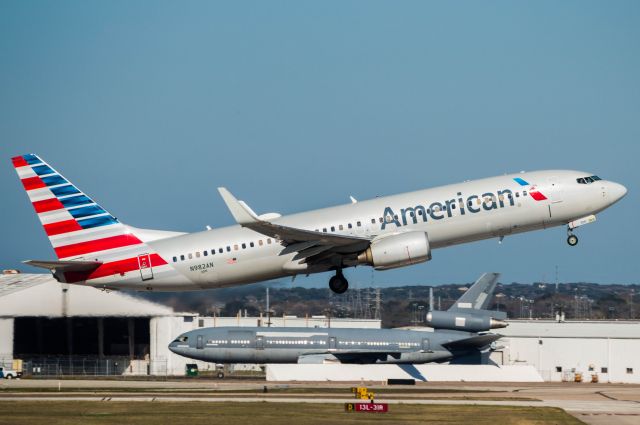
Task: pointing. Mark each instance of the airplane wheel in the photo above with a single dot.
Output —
(220, 375)
(572, 240)
(338, 284)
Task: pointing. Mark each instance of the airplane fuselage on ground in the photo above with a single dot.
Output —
(385, 232)
(327, 345)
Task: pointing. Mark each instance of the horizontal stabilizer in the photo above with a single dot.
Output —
(65, 266)
(478, 341)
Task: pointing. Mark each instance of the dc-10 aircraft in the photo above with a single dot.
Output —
(96, 249)
(458, 332)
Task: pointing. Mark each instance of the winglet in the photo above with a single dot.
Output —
(239, 210)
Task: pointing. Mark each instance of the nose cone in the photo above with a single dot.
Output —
(616, 191)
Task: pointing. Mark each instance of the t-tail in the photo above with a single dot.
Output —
(89, 242)
(469, 313)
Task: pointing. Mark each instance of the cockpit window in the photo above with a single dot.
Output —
(588, 180)
(182, 339)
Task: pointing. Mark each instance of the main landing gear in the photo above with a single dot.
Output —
(338, 283)
(572, 239)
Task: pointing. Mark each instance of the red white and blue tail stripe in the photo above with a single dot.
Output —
(78, 228)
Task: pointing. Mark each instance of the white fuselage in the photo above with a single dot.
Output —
(450, 215)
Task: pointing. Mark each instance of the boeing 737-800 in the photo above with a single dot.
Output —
(96, 249)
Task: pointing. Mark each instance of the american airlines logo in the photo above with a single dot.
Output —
(472, 204)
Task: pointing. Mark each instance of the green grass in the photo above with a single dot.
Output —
(195, 413)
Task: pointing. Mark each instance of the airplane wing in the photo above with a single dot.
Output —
(307, 243)
(477, 341)
(348, 356)
(65, 266)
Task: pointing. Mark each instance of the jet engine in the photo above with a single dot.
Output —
(399, 250)
(463, 321)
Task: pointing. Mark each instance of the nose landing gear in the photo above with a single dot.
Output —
(338, 283)
(572, 239)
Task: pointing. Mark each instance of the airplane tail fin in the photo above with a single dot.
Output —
(78, 228)
(478, 296)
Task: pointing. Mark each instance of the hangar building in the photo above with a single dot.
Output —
(559, 350)
(61, 329)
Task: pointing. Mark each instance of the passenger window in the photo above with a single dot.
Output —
(260, 242)
(220, 251)
(213, 252)
(324, 229)
(453, 206)
(524, 193)
(359, 224)
(333, 228)
(419, 212)
(341, 227)
(380, 219)
(349, 226)
(175, 259)
(228, 248)
(182, 258)
(269, 241)
(235, 247)
(373, 221)
(244, 246)
(251, 244)
(197, 254)
(190, 256)
(517, 194)
(205, 253)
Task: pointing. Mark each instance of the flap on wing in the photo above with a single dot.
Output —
(65, 266)
(245, 217)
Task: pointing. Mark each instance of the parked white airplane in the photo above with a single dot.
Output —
(95, 249)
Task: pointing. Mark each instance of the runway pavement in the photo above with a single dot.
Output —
(592, 403)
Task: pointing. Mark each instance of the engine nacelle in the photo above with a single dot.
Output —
(404, 249)
(463, 321)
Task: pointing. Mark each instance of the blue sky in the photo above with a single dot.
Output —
(149, 106)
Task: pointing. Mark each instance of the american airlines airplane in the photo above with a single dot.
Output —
(95, 249)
